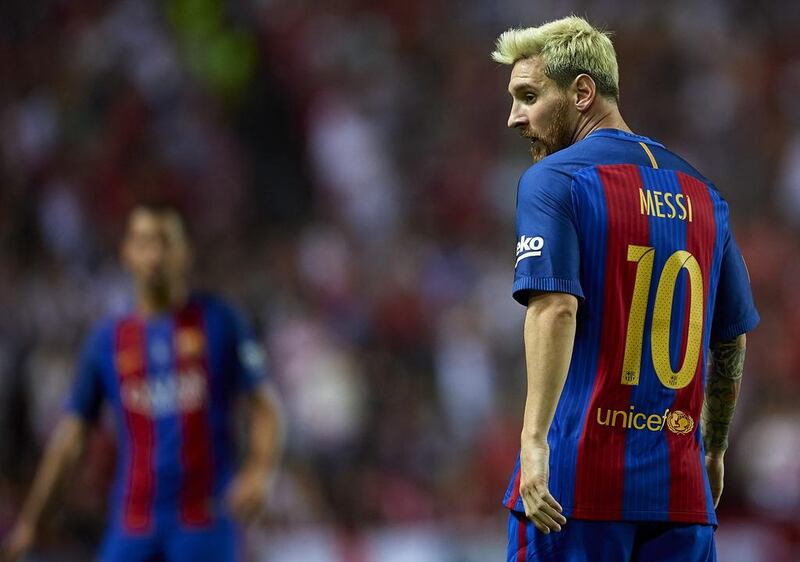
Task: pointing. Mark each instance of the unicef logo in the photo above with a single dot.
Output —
(679, 422)
(176, 392)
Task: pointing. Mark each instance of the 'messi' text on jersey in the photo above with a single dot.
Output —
(665, 205)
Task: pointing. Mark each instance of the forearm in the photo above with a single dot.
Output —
(549, 337)
(722, 391)
(265, 435)
(62, 450)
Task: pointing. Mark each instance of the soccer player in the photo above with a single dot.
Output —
(171, 370)
(633, 283)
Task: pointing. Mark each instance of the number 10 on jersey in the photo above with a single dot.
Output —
(644, 256)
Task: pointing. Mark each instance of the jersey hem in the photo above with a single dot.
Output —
(645, 515)
(699, 517)
(547, 284)
(71, 409)
(737, 329)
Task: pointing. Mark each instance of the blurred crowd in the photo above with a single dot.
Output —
(349, 180)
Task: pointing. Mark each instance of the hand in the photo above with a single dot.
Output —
(540, 506)
(715, 467)
(18, 542)
(247, 494)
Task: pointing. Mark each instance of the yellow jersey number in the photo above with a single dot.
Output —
(662, 315)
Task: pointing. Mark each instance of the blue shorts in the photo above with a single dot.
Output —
(600, 541)
(172, 542)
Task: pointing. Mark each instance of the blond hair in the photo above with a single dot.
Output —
(568, 47)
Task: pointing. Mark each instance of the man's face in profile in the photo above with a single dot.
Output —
(540, 109)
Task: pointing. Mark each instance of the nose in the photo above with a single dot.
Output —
(155, 254)
(516, 118)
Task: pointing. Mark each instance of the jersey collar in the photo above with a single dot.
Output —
(618, 134)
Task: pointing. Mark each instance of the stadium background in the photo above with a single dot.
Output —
(349, 180)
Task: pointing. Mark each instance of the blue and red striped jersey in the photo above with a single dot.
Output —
(643, 240)
(171, 380)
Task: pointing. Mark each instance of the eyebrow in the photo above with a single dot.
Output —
(519, 86)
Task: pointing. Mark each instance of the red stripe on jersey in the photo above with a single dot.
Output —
(601, 449)
(191, 361)
(512, 500)
(522, 540)
(687, 486)
(130, 360)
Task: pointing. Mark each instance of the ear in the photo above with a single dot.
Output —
(585, 91)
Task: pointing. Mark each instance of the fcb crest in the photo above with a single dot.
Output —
(190, 343)
(129, 361)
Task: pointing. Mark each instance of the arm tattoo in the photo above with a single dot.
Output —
(722, 390)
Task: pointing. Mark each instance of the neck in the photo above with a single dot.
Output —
(150, 301)
(606, 115)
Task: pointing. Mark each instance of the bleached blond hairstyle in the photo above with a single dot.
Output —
(568, 47)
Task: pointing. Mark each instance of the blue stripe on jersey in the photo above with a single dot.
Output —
(593, 221)
(160, 352)
(219, 403)
(114, 396)
(721, 218)
(647, 475)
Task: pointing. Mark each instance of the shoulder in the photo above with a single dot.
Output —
(556, 172)
(99, 340)
(218, 308)
(682, 165)
(546, 172)
(560, 166)
(211, 302)
(102, 331)
(547, 183)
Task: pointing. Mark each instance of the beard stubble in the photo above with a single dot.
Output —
(556, 136)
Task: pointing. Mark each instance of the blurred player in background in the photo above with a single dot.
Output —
(632, 282)
(171, 371)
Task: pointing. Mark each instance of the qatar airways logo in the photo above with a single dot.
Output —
(529, 247)
(184, 392)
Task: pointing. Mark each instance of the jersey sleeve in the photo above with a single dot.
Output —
(86, 395)
(734, 310)
(547, 253)
(249, 359)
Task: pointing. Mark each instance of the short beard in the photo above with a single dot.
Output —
(160, 292)
(557, 135)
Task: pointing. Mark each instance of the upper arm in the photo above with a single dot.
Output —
(734, 310)
(727, 358)
(547, 253)
(86, 395)
(738, 342)
(248, 357)
(71, 432)
(556, 304)
(264, 398)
